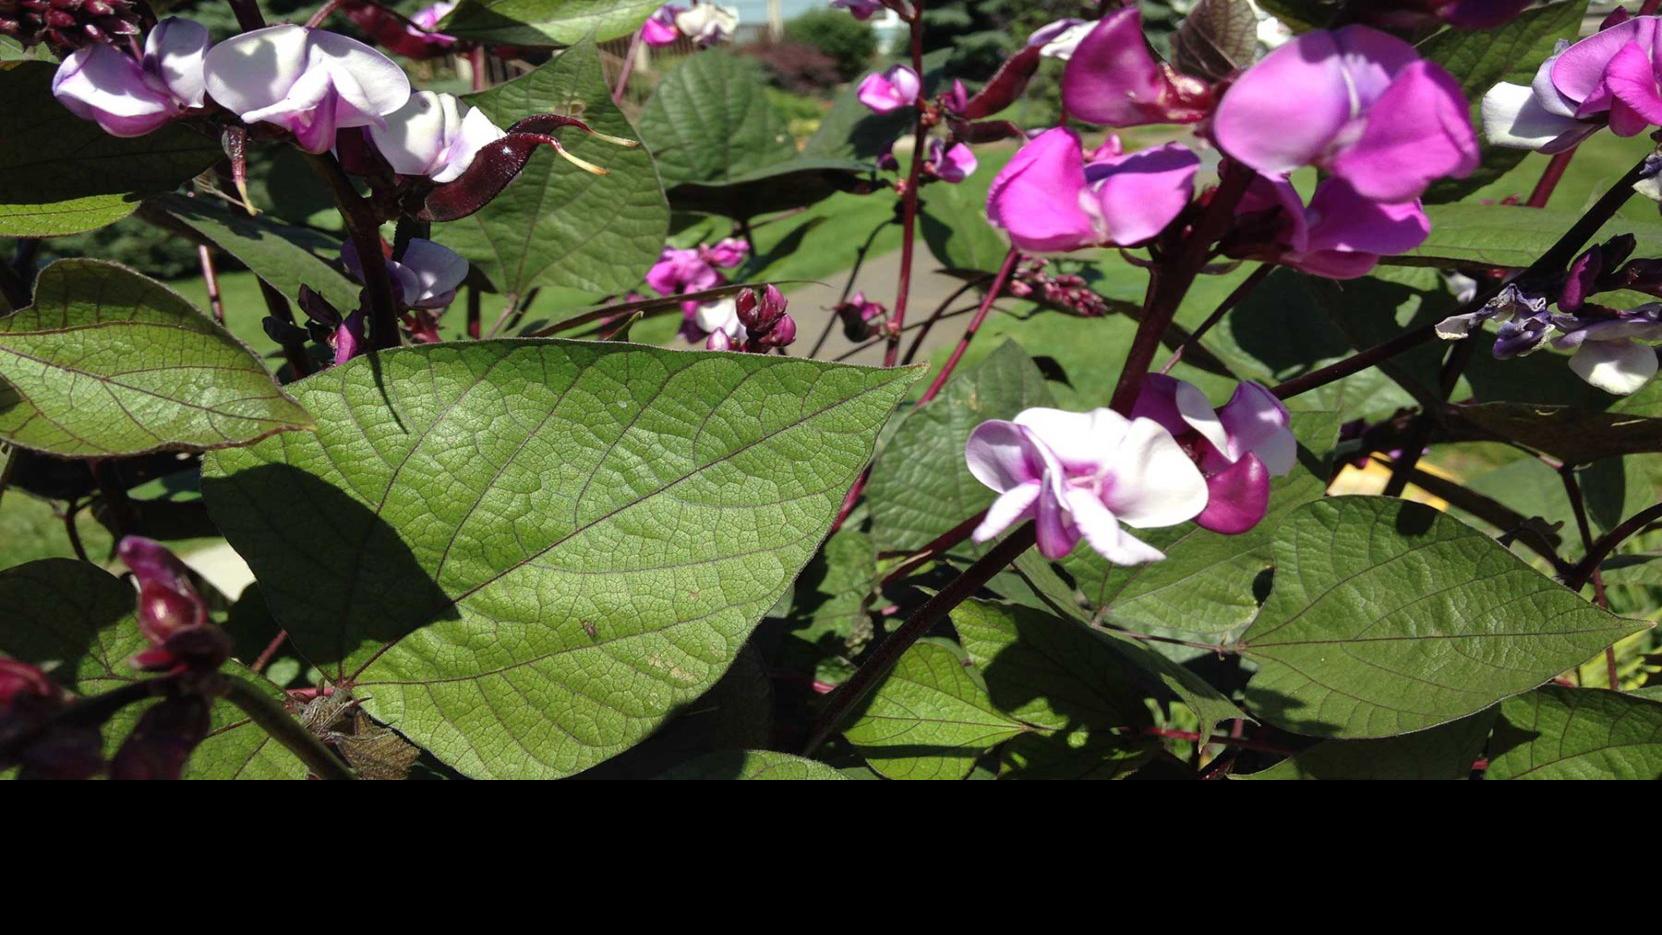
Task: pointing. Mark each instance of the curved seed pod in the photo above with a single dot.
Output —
(1005, 86)
(494, 167)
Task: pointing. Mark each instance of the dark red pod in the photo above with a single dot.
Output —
(497, 164)
(1005, 86)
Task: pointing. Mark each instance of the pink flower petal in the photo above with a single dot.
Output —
(1418, 131)
(1035, 198)
(1255, 422)
(1286, 110)
(1238, 497)
(1011, 507)
(1632, 79)
(1138, 195)
(1111, 78)
(1002, 455)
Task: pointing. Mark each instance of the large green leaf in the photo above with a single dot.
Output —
(920, 486)
(722, 147)
(76, 620)
(1577, 733)
(954, 225)
(556, 225)
(1207, 583)
(929, 718)
(1510, 235)
(545, 22)
(1444, 752)
(527, 553)
(108, 362)
(286, 257)
(1574, 436)
(1388, 617)
(60, 174)
(1481, 58)
(753, 764)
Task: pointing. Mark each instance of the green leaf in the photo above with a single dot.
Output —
(108, 362)
(781, 186)
(1217, 39)
(929, 718)
(537, 23)
(954, 225)
(1481, 58)
(60, 174)
(1301, 15)
(828, 619)
(753, 764)
(1209, 705)
(1572, 435)
(1445, 752)
(526, 554)
(1049, 672)
(286, 257)
(76, 620)
(1388, 617)
(710, 120)
(1577, 733)
(556, 225)
(1207, 582)
(920, 486)
(1510, 235)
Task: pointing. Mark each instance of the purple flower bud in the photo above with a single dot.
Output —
(171, 614)
(21, 680)
(349, 338)
(891, 90)
(163, 739)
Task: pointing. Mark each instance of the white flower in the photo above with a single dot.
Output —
(430, 136)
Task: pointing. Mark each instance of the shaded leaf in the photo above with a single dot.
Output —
(526, 554)
(1510, 235)
(1217, 39)
(1577, 733)
(928, 719)
(1388, 617)
(1444, 752)
(753, 764)
(108, 362)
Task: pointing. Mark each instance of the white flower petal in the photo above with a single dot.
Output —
(1151, 481)
(414, 136)
(1096, 523)
(1513, 117)
(1081, 441)
(1197, 411)
(174, 51)
(438, 270)
(256, 69)
(1617, 367)
(372, 83)
(1011, 507)
(1001, 455)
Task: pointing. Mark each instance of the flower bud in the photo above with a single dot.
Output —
(19, 680)
(163, 739)
(168, 602)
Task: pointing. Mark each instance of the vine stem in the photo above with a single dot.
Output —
(1224, 308)
(249, 17)
(364, 228)
(1169, 284)
(909, 198)
(627, 70)
(1550, 177)
(210, 281)
(842, 702)
(1583, 571)
(938, 546)
(999, 280)
(848, 286)
(276, 721)
(1557, 256)
(925, 326)
(1578, 504)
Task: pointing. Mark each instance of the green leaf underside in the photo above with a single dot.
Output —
(556, 225)
(1388, 617)
(526, 553)
(920, 486)
(545, 22)
(929, 719)
(109, 362)
(753, 764)
(1444, 752)
(285, 256)
(76, 620)
(1577, 733)
(60, 174)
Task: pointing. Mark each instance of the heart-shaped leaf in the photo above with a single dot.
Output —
(107, 362)
(526, 554)
(1388, 617)
(536, 23)
(556, 225)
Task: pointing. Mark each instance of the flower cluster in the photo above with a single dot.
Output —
(748, 321)
(1608, 79)
(1613, 349)
(1175, 459)
(1068, 292)
(704, 23)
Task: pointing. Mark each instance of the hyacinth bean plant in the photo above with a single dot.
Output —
(1283, 422)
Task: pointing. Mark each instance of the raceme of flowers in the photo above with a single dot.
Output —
(704, 23)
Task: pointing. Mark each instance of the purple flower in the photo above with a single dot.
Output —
(1524, 320)
(707, 23)
(1610, 77)
(861, 317)
(659, 28)
(430, 136)
(308, 81)
(424, 25)
(1356, 102)
(1113, 79)
(1060, 39)
(859, 9)
(890, 90)
(1238, 448)
(427, 275)
(127, 97)
(718, 321)
(950, 163)
(1048, 199)
(727, 253)
(1341, 235)
(171, 614)
(1082, 474)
